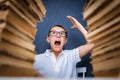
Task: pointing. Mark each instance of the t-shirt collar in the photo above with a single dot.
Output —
(48, 53)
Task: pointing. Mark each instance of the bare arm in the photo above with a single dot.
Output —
(84, 49)
(78, 26)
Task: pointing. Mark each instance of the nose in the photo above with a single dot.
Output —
(58, 34)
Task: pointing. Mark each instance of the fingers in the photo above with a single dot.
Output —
(68, 16)
(73, 27)
(71, 19)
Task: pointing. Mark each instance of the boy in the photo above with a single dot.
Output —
(59, 63)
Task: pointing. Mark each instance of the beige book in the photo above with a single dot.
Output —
(16, 51)
(106, 49)
(18, 33)
(11, 71)
(103, 12)
(104, 19)
(24, 11)
(30, 9)
(106, 33)
(104, 27)
(105, 56)
(2, 26)
(110, 43)
(87, 5)
(41, 6)
(107, 65)
(107, 74)
(17, 11)
(8, 36)
(33, 7)
(10, 66)
(107, 38)
(12, 61)
(18, 22)
(92, 8)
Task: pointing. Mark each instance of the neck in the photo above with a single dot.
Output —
(56, 53)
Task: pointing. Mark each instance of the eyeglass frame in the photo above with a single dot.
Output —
(56, 33)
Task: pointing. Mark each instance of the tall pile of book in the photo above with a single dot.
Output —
(18, 21)
(103, 24)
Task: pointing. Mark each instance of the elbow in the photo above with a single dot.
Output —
(91, 46)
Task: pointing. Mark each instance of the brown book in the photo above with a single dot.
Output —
(103, 12)
(16, 51)
(12, 61)
(18, 22)
(104, 19)
(8, 36)
(106, 33)
(112, 74)
(24, 10)
(18, 33)
(107, 65)
(105, 56)
(106, 49)
(17, 11)
(2, 26)
(33, 6)
(11, 71)
(104, 27)
(41, 7)
(107, 38)
(11, 66)
(110, 43)
(31, 9)
(0, 34)
(87, 5)
(92, 8)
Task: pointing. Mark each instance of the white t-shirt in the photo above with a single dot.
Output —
(62, 67)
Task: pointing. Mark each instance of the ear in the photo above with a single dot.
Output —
(48, 39)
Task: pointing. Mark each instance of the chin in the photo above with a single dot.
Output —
(58, 50)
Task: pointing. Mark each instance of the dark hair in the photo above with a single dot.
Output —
(57, 26)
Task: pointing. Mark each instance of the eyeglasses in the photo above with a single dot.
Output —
(55, 33)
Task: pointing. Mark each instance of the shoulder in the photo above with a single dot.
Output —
(41, 55)
(70, 50)
(72, 55)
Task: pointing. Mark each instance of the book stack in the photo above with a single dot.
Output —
(103, 24)
(18, 21)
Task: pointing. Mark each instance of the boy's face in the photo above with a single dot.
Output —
(57, 39)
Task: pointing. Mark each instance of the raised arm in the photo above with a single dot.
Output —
(84, 49)
(78, 26)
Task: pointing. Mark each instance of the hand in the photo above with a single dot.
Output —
(75, 23)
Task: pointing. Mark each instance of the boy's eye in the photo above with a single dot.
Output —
(61, 33)
(53, 32)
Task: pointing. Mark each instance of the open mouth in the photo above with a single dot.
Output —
(57, 43)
